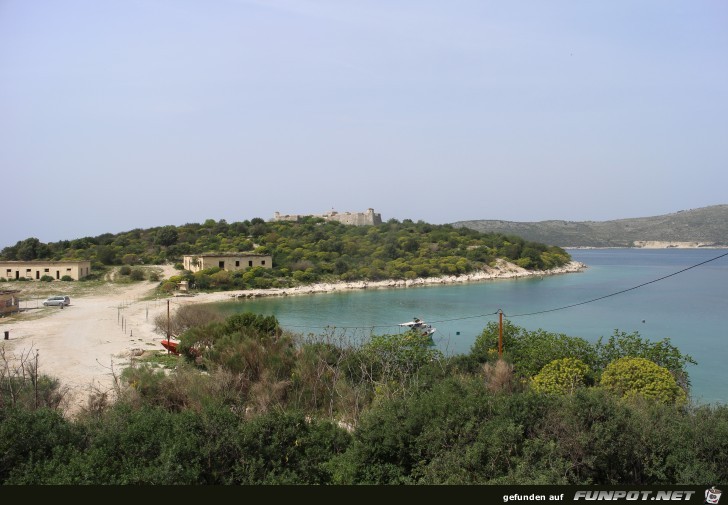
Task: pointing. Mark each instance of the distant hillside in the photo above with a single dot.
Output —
(707, 226)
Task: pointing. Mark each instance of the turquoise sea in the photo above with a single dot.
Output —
(681, 294)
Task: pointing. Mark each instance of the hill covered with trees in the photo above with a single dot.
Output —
(707, 225)
(312, 250)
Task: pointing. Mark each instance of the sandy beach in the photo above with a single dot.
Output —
(87, 344)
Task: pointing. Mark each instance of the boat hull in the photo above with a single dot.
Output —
(170, 345)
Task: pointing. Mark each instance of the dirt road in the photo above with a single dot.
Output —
(88, 343)
(85, 344)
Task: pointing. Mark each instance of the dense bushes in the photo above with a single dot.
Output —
(257, 405)
(454, 433)
(152, 446)
(529, 351)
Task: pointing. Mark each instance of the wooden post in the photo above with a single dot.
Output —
(168, 351)
(35, 380)
(500, 334)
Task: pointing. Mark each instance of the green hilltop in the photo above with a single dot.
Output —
(311, 250)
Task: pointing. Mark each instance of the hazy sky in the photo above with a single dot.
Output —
(117, 115)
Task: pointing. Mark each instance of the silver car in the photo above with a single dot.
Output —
(57, 300)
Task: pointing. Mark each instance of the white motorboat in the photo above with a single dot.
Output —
(419, 325)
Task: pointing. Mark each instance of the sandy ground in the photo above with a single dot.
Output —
(87, 344)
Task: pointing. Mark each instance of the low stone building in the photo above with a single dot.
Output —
(226, 261)
(9, 301)
(368, 218)
(34, 270)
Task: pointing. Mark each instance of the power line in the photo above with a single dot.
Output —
(372, 327)
(622, 291)
(466, 317)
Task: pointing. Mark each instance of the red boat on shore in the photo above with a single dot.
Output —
(171, 345)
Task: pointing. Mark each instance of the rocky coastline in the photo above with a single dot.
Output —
(656, 244)
(502, 270)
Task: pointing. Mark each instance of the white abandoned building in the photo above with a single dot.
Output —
(35, 270)
(226, 261)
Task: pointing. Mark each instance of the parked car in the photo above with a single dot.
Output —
(57, 300)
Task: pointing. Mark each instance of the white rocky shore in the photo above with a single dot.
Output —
(502, 270)
(654, 244)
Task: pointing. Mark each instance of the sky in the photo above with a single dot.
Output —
(117, 115)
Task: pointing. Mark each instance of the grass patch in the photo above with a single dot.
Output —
(160, 358)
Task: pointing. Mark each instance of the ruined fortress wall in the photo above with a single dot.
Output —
(357, 218)
(367, 218)
(286, 217)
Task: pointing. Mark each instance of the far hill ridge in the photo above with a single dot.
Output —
(703, 227)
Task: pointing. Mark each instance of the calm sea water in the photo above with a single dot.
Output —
(690, 308)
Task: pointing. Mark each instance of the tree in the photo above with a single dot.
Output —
(167, 236)
(30, 249)
(106, 255)
(632, 377)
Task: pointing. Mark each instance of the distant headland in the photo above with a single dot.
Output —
(706, 227)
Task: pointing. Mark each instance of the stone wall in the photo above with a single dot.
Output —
(367, 218)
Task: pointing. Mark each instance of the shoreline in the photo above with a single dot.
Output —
(88, 344)
(650, 244)
(502, 271)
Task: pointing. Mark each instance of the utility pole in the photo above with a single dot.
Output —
(500, 334)
(35, 380)
(168, 326)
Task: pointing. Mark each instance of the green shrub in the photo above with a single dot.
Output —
(125, 270)
(67, 278)
(561, 376)
(46, 278)
(28, 437)
(631, 377)
(529, 351)
(662, 352)
(130, 259)
(168, 287)
(137, 274)
(288, 448)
